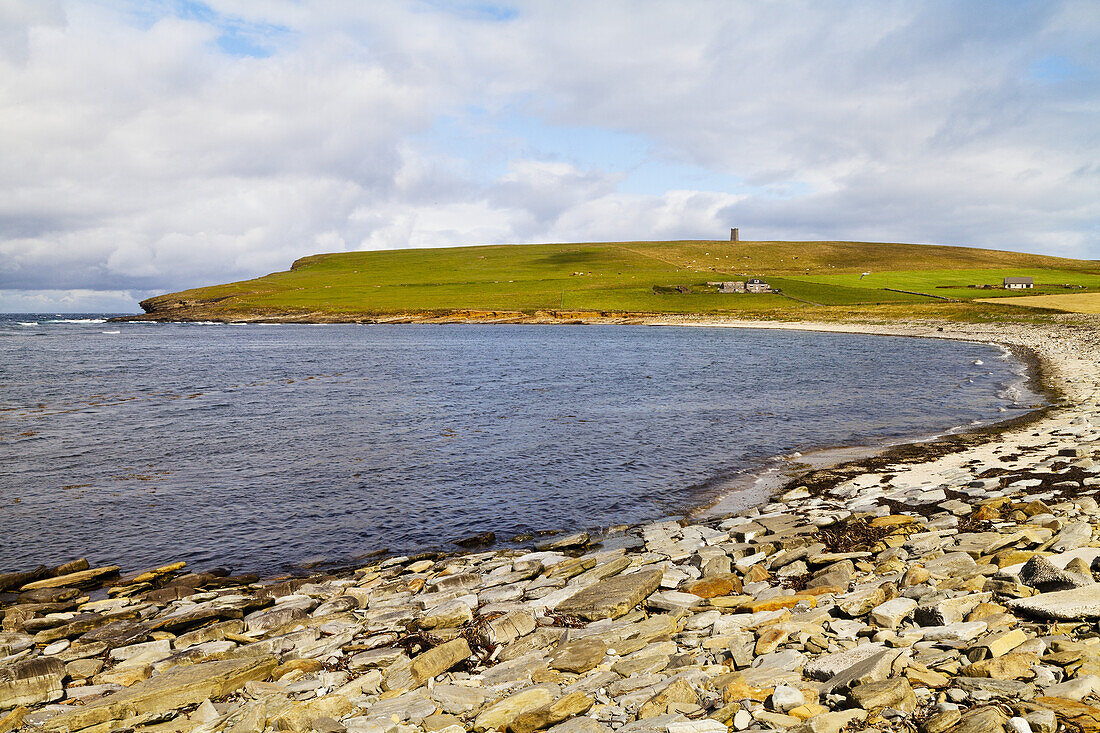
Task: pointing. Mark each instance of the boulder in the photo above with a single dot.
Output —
(1011, 666)
(1040, 573)
(830, 722)
(446, 615)
(680, 691)
(509, 627)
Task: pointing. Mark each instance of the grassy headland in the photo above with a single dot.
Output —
(813, 280)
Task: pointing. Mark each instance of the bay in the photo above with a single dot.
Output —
(262, 448)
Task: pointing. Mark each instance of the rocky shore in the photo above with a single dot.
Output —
(953, 594)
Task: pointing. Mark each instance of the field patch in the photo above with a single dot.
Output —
(953, 283)
(1074, 303)
(832, 294)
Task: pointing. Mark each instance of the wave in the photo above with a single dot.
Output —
(1012, 392)
(110, 332)
(76, 320)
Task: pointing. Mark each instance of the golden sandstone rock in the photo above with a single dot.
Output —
(726, 584)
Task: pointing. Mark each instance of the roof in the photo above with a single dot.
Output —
(1019, 281)
(755, 280)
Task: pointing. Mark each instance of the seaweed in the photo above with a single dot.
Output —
(852, 535)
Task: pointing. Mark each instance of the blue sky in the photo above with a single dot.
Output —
(155, 146)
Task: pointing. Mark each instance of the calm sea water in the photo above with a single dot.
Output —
(262, 447)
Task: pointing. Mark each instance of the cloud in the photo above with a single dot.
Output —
(157, 146)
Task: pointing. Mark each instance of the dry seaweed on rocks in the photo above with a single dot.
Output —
(852, 535)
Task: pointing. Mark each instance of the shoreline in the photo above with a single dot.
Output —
(751, 488)
(948, 585)
(763, 482)
(778, 479)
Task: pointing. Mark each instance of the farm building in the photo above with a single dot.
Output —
(729, 286)
(1019, 283)
(756, 285)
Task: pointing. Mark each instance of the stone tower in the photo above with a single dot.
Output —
(735, 235)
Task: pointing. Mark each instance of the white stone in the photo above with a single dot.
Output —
(890, 614)
(1017, 725)
(785, 698)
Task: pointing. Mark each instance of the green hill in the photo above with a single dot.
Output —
(631, 277)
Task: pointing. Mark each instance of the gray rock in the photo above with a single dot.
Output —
(944, 611)
(829, 665)
(459, 699)
(1064, 605)
(1075, 689)
(951, 564)
(875, 668)
(1040, 573)
(454, 582)
(963, 631)
(13, 642)
(890, 614)
(995, 688)
(860, 602)
(574, 540)
(1042, 721)
(1072, 536)
(579, 725)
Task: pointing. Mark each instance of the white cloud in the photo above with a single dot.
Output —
(77, 300)
(140, 155)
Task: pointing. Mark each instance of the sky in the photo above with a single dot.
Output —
(153, 146)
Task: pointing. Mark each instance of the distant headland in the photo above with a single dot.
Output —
(635, 280)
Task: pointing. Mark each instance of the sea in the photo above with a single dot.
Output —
(277, 448)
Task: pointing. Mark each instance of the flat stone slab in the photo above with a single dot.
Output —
(184, 685)
(875, 668)
(73, 579)
(1062, 605)
(824, 667)
(613, 597)
(30, 682)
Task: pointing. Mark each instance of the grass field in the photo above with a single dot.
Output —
(651, 277)
(954, 283)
